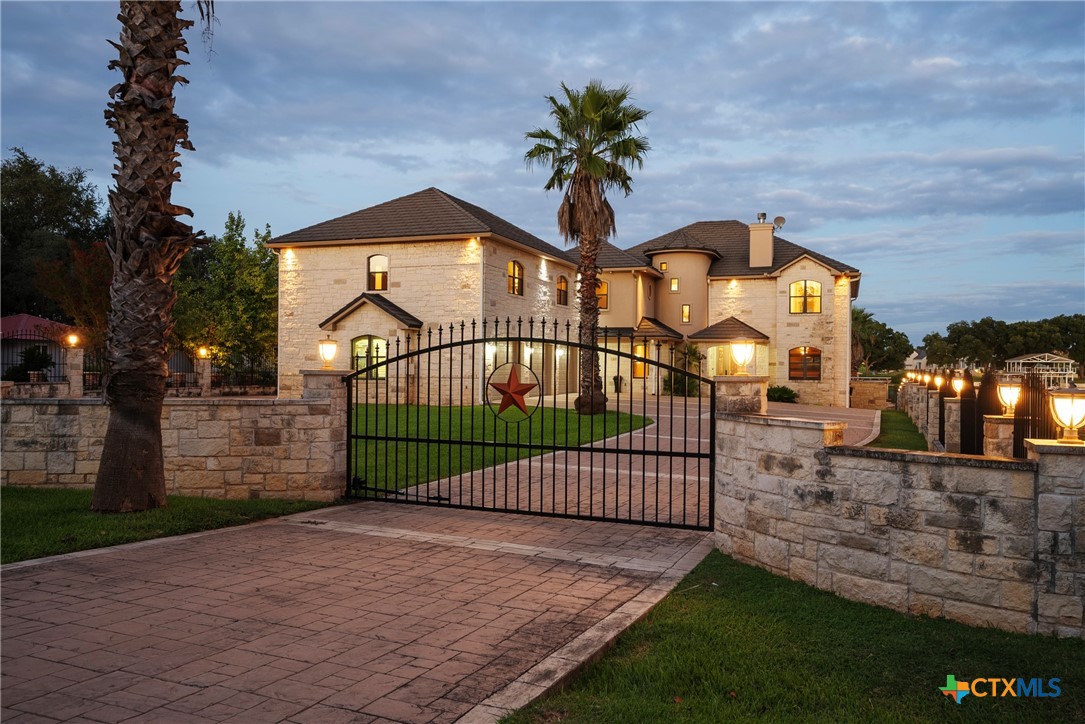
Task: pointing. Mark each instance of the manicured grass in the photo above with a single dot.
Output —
(36, 522)
(736, 643)
(899, 433)
(395, 465)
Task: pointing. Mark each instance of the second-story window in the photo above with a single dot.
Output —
(516, 278)
(805, 297)
(563, 291)
(685, 314)
(377, 278)
(602, 291)
(674, 284)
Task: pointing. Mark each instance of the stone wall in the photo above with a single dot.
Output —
(870, 393)
(222, 448)
(987, 542)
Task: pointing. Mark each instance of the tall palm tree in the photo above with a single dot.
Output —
(589, 153)
(146, 249)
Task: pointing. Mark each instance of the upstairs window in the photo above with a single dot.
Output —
(685, 314)
(674, 284)
(602, 291)
(377, 280)
(805, 297)
(663, 266)
(563, 291)
(804, 363)
(516, 278)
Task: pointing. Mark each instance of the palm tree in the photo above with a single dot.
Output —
(589, 153)
(146, 249)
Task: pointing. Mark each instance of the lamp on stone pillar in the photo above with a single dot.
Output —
(1068, 409)
(328, 348)
(742, 353)
(1009, 390)
(72, 340)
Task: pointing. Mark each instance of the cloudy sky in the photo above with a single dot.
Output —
(936, 146)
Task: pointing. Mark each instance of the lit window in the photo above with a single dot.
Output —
(663, 266)
(366, 351)
(563, 291)
(674, 284)
(804, 363)
(685, 314)
(378, 273)
(516, 278)
(640, 368)
(805, 297)
(602, 291)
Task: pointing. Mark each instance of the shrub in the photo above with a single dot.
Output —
(781, 393)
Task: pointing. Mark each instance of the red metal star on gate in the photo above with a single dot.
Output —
(512, 392)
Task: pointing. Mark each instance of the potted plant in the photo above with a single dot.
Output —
(36, 360)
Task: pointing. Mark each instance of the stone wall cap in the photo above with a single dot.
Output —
(1053, 447)
(326, 373)
(52, 401)
(740, 378)
(941, 458)
(762, 419)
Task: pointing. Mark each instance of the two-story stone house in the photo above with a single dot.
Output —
(420, 261)
(429, 259)
(721, 284)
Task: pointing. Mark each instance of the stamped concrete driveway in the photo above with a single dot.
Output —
(360, 613)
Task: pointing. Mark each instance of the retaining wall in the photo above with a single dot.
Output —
(986, 542)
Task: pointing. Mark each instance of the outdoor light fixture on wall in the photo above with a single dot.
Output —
(72, 339)
(328, 347)
(742, 353)
(1068, 409)
(1009, 390)
(203, 352)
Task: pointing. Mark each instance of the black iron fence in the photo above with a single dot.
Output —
(31, 357)
(244, 372)
(484, 415)
(1032, 416)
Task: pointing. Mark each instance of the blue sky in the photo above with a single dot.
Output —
(938, 147)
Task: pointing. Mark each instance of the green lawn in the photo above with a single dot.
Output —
(395, 465)
(736, 643)
(899, 433)
(36, 522)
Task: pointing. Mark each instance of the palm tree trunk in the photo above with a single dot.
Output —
(147, 246)
(591, 400)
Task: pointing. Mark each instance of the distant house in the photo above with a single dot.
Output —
(22, 332)
(917, 360)
(429, 258)
(1055, 370)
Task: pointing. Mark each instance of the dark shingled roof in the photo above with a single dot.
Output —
(381, 302)
(727, 330)
(654, 329)
(611, 257)
(731, 240)
(431, 212)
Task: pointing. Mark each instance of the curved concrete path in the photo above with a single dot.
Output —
(359, 613)
(863, 425)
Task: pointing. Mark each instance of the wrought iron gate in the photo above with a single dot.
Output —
(482, 416)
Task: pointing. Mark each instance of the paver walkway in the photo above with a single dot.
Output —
(368, 612)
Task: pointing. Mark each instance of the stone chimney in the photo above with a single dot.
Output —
(761, 242)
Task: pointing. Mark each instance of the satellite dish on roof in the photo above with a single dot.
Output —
(779, 222)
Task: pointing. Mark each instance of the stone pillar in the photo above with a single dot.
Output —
(1060, 531)
(73, 370)
(931, 412)
(953, 424)
(742, 394)
(998, 436)
(203, 376)
(320, 388)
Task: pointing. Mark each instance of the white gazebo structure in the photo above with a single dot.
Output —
(1055, 370)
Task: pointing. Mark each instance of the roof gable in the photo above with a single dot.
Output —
(427, 213)
(728, 330)
(379, 301)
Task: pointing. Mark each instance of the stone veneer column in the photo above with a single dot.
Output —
(73, 370)
(203, 376)
(931, 411)
(742, 393)
(1060, 531)
(953, 424)
(326, 386)
(998, 435)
